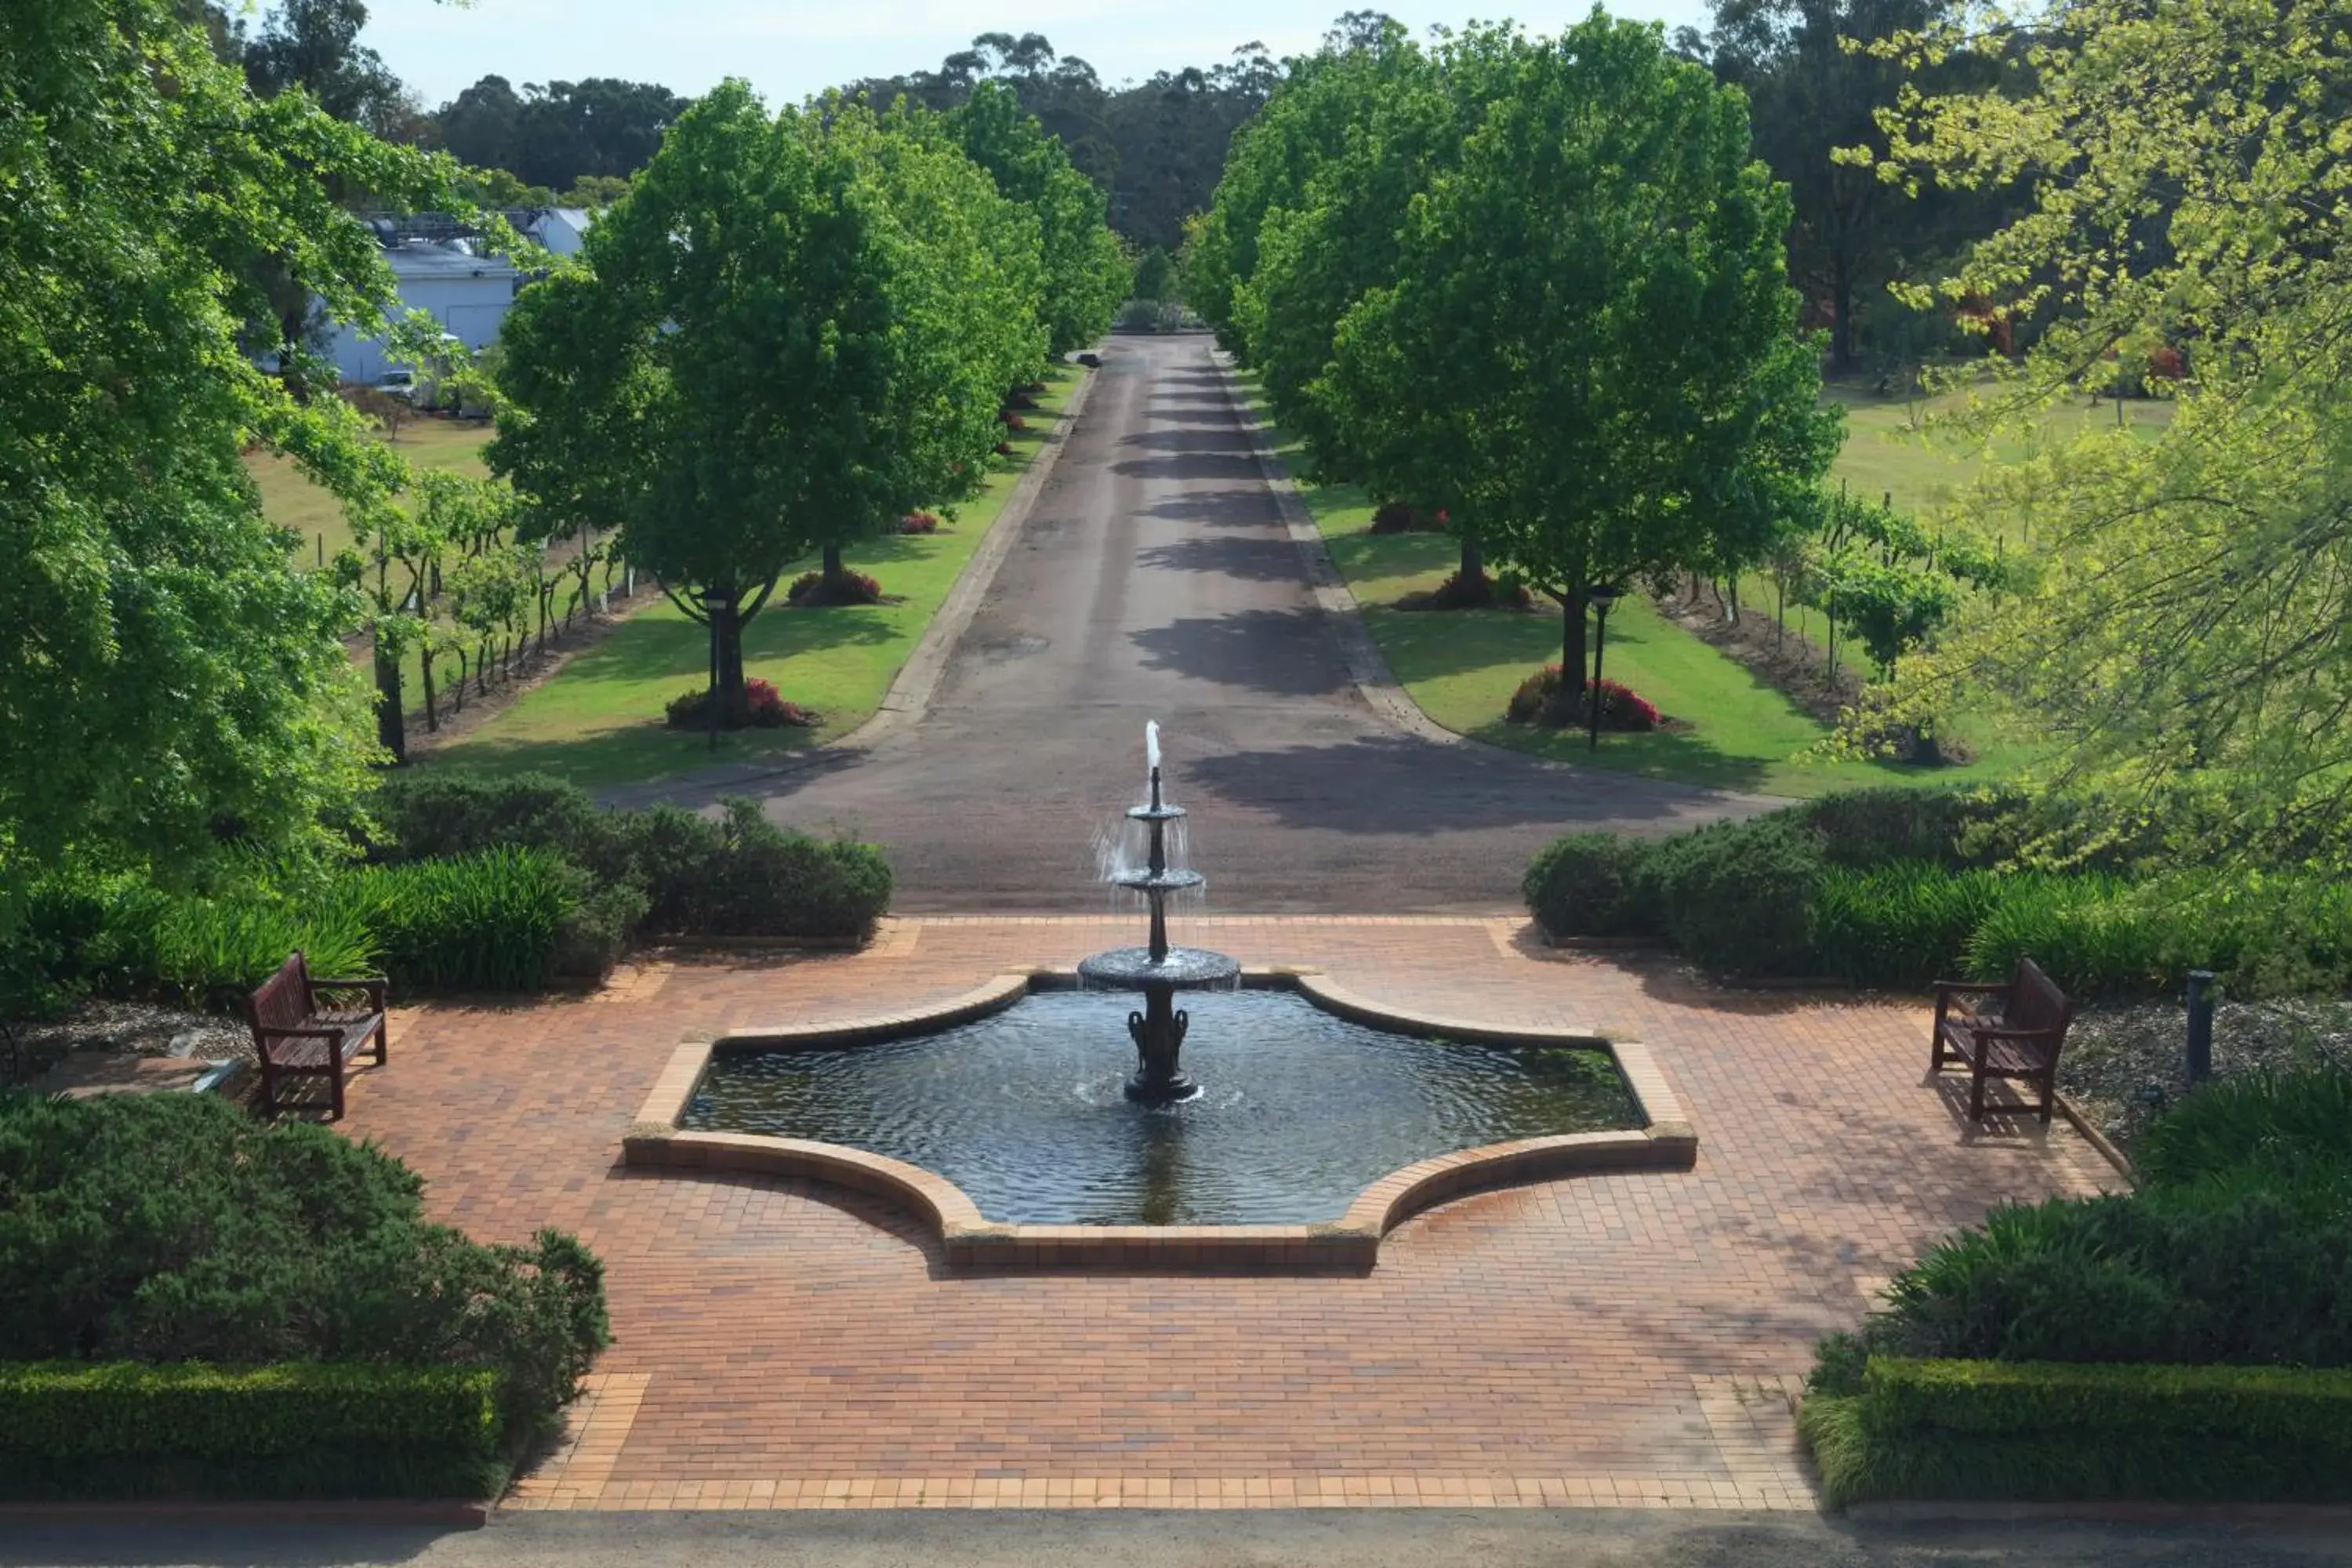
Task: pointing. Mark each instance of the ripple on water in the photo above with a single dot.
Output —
(1300, 1110)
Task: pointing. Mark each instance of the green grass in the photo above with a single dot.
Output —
(599, 722)
(293, 503)
(1461, 668)
(1886, 451)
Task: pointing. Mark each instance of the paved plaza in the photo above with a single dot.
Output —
(1608, 1339)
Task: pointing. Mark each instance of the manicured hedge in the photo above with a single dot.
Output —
(2058, 1431)
(125, 1430)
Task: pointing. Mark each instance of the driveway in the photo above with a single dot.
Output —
(1154, 578)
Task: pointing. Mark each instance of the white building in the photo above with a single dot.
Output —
(467, 293)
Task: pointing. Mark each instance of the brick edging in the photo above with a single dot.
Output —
(1666, 1141)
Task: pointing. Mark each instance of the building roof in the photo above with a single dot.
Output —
(422, 258)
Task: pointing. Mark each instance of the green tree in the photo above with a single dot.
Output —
(2183, 614)
(169, 683)
(1591, 346)
(791, 330)
(1084, 271)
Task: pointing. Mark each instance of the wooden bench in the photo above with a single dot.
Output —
(2011, 1031)
(299, 1033)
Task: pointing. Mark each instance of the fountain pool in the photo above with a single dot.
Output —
(1298, 1110)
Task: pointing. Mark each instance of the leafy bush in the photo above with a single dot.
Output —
(1904, 923)
(1538, 701)
(1734, 896)
(744, 876)
(1863, 828)
(2289, 1127)
(763, 707)
(487, 921)
(216, 949)
(121, 1429)
(175, 1228)
(1989, 1430)
(1395, 517)
(1591, 884)
(2084, 931)
(810, 588)
(918, 522)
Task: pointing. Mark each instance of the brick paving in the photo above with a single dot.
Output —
(1630, 1338)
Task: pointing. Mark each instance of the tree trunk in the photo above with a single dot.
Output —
(390, 724)
(836, 574)
(1473, 562)
(1575, 658)
(424, 667)
(727, 660)
(1840, 317)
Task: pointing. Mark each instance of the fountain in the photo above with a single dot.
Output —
(1156, 969)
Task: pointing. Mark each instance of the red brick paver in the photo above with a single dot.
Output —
(1605, 1339)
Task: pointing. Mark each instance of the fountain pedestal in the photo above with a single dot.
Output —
(1158, 970)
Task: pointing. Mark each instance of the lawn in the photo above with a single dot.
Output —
(1461, 668)
(599, 722)
(293, 503)
(1886, 451)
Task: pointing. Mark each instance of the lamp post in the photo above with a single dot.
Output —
(1601, 598)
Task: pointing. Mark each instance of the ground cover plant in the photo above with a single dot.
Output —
(141, 1235)
(2190, 1339)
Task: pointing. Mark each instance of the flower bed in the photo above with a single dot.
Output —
(812, 591)
(1541, 700)
(763, 709)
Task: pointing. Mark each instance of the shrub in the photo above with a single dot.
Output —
(1979, 1429)
(1868, 827)
(918, 522)
(1591, 884)
(1904, 923)
(2084, 932)
(174, 1228)
(1004, 448)
(487, 921)
(811, 590)
(763, 707)
(744, 876)
(215, 951)
(1395, 517)
(2288, 1126)
(1010, 420)
(1538, 701)
(122, 1429)
(1734, 896)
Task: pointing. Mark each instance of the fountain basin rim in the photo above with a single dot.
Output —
(1166, 881)
(1350, 1245)
(1155, 813)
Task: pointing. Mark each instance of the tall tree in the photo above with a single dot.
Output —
(792, 330)
(1815, 89)
(314, 45)
(1591, 346)
(1084, 272)
(2189, 196)
(557, 134)
(169, 683)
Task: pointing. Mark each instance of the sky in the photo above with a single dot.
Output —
(790, 49)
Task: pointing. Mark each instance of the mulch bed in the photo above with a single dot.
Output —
(2125, 1066)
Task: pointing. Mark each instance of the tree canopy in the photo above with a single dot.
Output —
(170, 685)
(790, 331)
(1086, 275)
(2184, 613)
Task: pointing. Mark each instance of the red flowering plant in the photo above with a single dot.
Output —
(918, 522)
(763, 709)
(810, 589)
(1539, 700)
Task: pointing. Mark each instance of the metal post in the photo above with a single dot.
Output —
(2201, 1025)
(1599, 644)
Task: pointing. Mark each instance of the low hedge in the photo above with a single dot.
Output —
(2028, 1431)
(123, 1430)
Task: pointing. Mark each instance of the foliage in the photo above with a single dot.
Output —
(1547, 281)
(487, 921)
(575, 137)
(763, 709)
(185, 684)
(730, 429)
(175, 1227)
(2185, 186)
(1084, 271)
(2287, 1126)
(811, 589)
(1538, 701)
(1906, 923)
(1734, 896)
(1994, 1429)
(739, 877)
(1593, 884)
(121, 1429)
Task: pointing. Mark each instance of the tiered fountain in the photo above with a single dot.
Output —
(1156, 969)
